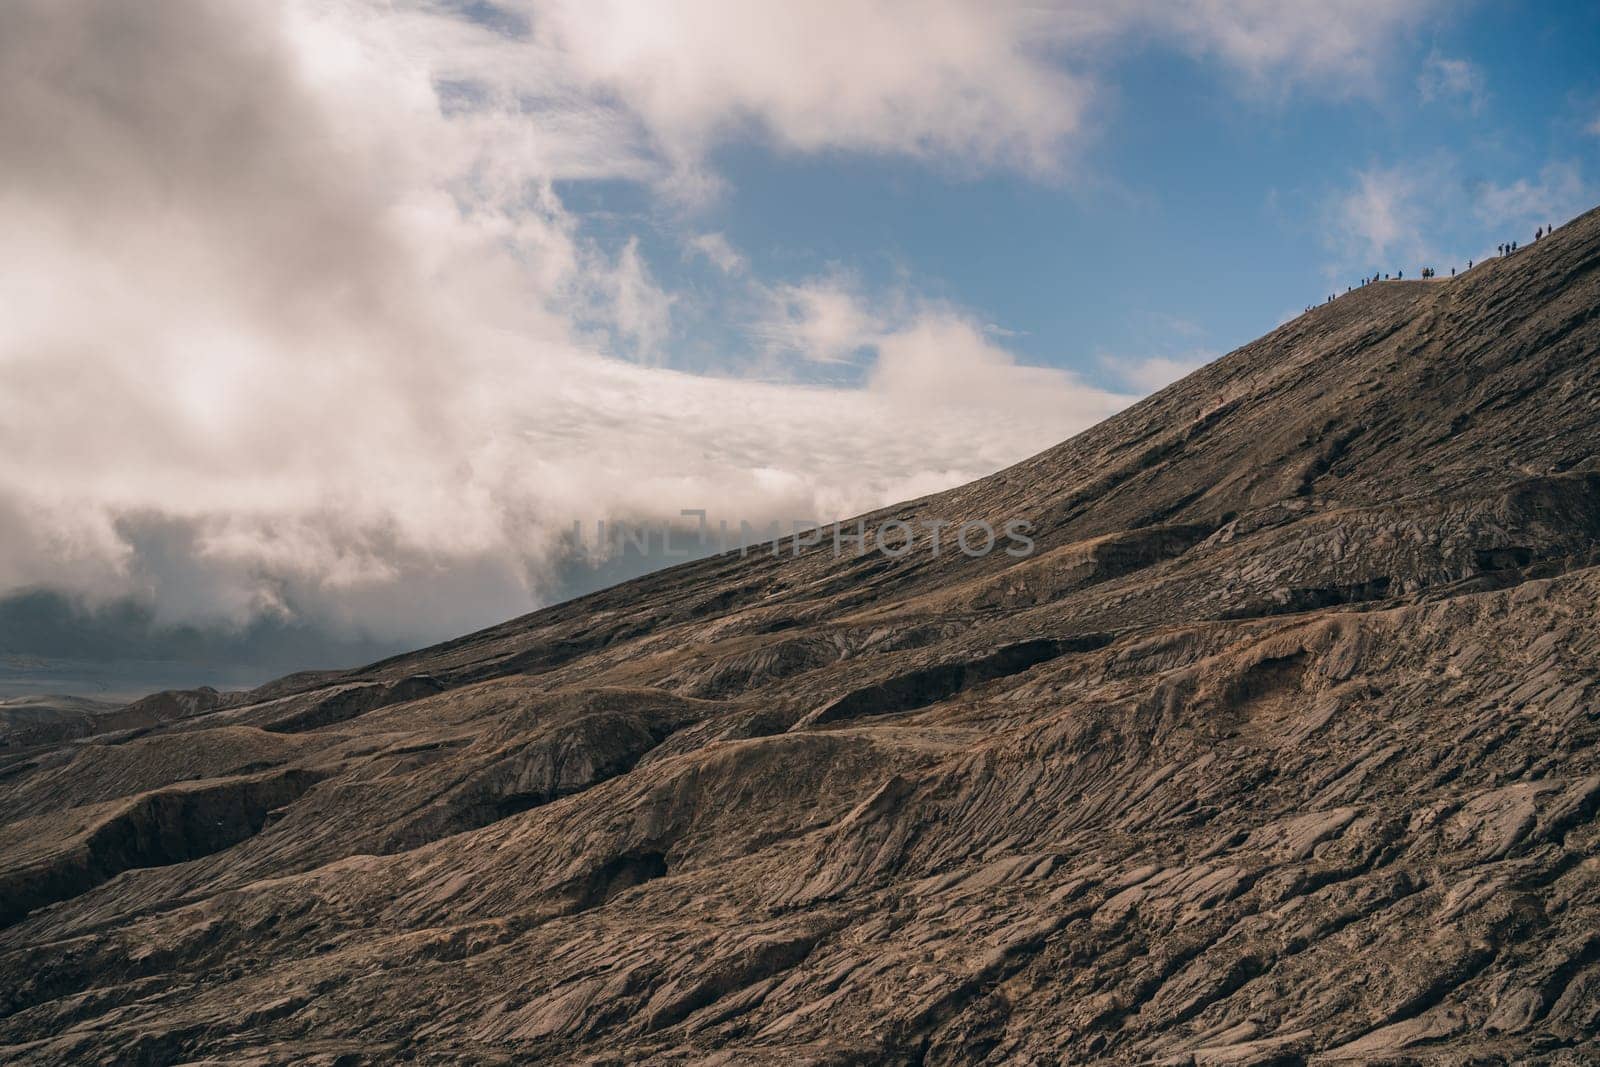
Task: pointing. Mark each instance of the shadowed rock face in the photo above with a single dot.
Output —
(1279, 749)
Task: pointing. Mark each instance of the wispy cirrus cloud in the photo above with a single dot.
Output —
(1559, 192)
(1337, 47)
(1384, 214)
(716, 250)
(1423, 211)
(1452, 80)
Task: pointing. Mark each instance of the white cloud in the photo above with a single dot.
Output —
(823, 321)
(640, 312)
(718, 252)
(1157, 372)
(1557, 195)
(1336, 45)
(1454, 80)
(1383, 216)
(935, 78)
(946, 378)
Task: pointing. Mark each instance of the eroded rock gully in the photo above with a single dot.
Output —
(1280, 749)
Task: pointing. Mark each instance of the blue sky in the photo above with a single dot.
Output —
(337, 314)
(1200, 211)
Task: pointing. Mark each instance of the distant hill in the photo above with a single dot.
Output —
(32, 721)
(50, 717)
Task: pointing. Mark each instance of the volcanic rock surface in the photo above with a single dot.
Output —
(1279, 749)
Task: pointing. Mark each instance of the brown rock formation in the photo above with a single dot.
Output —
(1279, 749)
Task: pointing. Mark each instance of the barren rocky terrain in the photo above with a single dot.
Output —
(1281, 748)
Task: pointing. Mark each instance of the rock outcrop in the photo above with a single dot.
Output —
(1280, 748)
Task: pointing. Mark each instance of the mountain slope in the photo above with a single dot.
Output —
(1279, 748)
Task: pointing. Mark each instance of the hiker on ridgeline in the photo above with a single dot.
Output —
(1399, 274)
(1537, 234)
(1452, 272)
